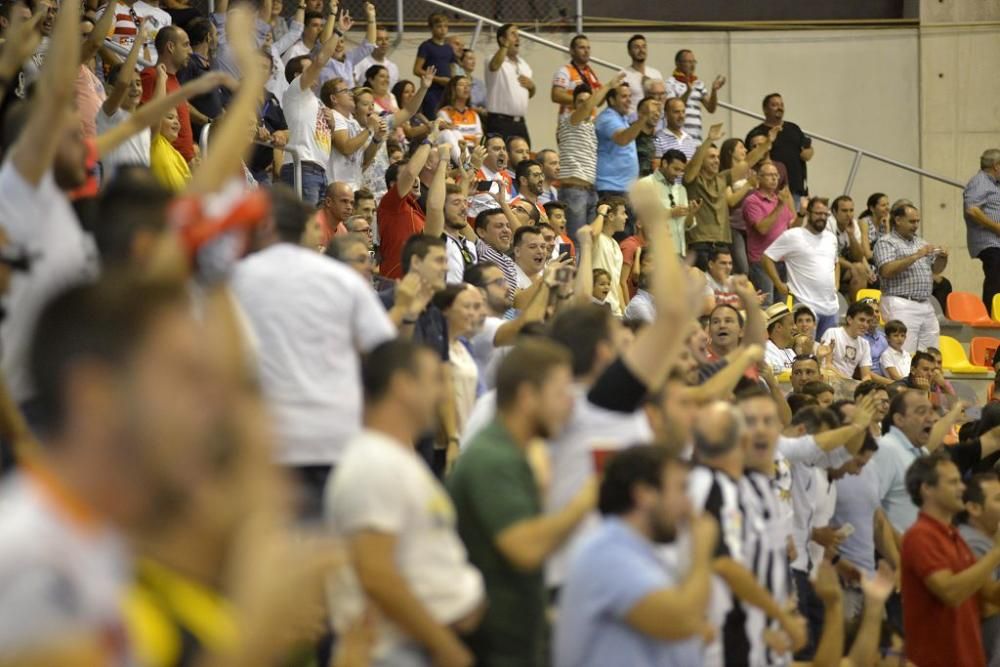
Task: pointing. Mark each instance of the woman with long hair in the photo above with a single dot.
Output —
(877, 216)
(462, 124)
(734, 152)
(463, 308)
(417, 128)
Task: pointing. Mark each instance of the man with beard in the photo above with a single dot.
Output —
(530, 184)
(43, 160)
(494, 169)
(792, 147)
(460, 248)
(639, 72)
(810, 256)
(620, 605)
(499, 505)
(529, 256)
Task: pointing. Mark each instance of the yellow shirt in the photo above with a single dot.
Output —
(168, 165)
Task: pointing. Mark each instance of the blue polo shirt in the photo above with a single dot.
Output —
(617, 166)
(895, 454)
(610, 572)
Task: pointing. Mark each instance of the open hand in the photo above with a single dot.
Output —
(427, 78)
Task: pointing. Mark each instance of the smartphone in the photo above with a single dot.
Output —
(565, 249)
(484, 186)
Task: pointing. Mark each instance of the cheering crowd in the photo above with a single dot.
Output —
(305, 362)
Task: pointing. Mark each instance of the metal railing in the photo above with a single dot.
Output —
(859, 153)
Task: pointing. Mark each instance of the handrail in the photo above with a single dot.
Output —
(857, 150)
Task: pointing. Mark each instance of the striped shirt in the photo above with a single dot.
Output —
(577, 149)
(665, 140)
(916, 281)
(692, 116)
(125, 29)
(982, 192)
(718, 494)
(487, 253)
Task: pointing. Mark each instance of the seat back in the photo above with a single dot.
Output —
(995, 307)
(966, 307)
(952, 353)
(983, 349)
(869, 293)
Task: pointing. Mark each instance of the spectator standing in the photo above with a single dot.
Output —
(942, 582)
(673, 196)
(342, 64)
(810, 256)
(645, 142)
(477, 95)
(462, 307)
(619, 604)
(508, 86)
(767, 212)
(499, 506)
(981, 202)
(378, 56)
(312, 28)
(756, 138)
(435, 52)
(673, 136)
(519, 150)
(128, 16)
(313, 389)
(733, 151)
(686, 85)
(174, 49)
(398, 520)
(638, 72)
(549, 159)
(337, 206)
(204, 42)
(495, 232)
(400, 215)
(792, 147)
(353, 146)
(530, 183)
(461, 250)
(906, 264)
(855, 274)
(568, 77)
(529, 256)
(611, 218)
(494, 168)
(978, 523)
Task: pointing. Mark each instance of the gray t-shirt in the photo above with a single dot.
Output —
(980, 543)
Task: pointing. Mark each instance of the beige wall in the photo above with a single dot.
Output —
(871, 88)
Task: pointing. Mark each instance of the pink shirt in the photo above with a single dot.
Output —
(89, 98)
(756, 207)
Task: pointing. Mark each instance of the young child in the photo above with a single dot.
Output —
(895, 360)
(436, 52)
(602, 286)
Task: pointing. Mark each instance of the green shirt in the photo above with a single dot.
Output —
(493, 488)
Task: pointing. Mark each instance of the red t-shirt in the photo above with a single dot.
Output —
(938, 635)
(629, 246)
(185, 138)
(399, 218)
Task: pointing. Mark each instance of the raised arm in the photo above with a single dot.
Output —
(693, 168)
(412, 107)
(127, 72)
(311, 74)
(755, 327)
(434, 225)
(497, 60)
(35, 149)
(22, 40)
(756, 155)
(371, 26)
(595, 100)
(231, 137)
(102, 29)
(410, 172)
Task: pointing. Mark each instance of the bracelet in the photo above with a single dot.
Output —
(407, 322)
(336, 31)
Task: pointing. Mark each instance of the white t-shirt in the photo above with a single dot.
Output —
(779, 359)
(383, 485)
(362, 67)
(848, 353)
(524, 281)
(900, 360)
(633, 78)
(504, 93)
(485, 351)
(294, 51)
(58, 576)
(608, 256)
(347, 168)
(312, 316)
(464, 381)
(811, 260)
(134, 150)
(40, 219)
(308, 130)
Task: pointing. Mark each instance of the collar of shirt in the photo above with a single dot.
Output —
(900, 437)
(945, 529)
(626, 534)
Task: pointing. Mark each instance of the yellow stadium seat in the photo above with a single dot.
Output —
(996, 307)
(954, 358)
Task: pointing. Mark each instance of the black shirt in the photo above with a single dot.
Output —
(271, 117)
(431, 328)
(787, 149)
(211, 104)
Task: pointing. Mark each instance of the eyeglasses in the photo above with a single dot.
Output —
(342, 90)
(496, 282)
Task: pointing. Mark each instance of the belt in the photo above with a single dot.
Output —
(516, 119)
(909, 298)
(576, 186)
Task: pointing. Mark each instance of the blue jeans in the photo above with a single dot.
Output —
(824, 322)
(313, 181)
(581, 208)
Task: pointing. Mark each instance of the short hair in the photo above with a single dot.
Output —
(339, 245)
(529, 362)
(521, 171)
(633, 39)
(290, 213)
(924, 470)
(922, 356)
(974, 491)
(628, 468)
(835, 204)
(721, 306)
(553, 206)
(717, 251)
(392, 172)
(768, 98)
(294, 67)
(512, 138)
(581, 329)
(613, 93)
(894, 327)
(897, 406)
(327, 89)
(800, 358)
(419, 245)
(933, 351)
(544, 225)
(105, 322)
(750, 393)
(803, 310)
(577, 38)
(900, 212)
(473, 274)
(483, 217)
(384, 361)
(581, 89)
(814, 418)
(813, 201)
(710, 448)
(363, 193)
(817, 387)
(798, 401)
(311, 16)
(860, 308)
(524, 231)
(436, 17)
(373, 71)
(503, 30)
(868, 387)
(989, 158)
(600, 273)
(680, 54)
(540, 155)
(166, 35)
(198, 30)
(133, 201)
(672, 154)
(613, 202)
